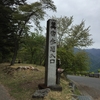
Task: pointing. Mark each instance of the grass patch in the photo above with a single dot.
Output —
(76, 91)
(21, 84)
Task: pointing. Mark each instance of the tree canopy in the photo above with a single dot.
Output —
(16, 14)
(7, 27)
(17, 41)
(70, 37)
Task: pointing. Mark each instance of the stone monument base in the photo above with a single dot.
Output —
(53, 87)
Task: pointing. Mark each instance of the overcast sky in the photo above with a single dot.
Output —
(87, 10)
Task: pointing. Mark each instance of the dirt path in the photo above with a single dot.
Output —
(4, 95)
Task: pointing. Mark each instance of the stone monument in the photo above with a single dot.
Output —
(51, 59)
(51, 47)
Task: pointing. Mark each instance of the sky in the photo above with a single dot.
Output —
(87, 10)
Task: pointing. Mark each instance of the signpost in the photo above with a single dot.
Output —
(51, 47)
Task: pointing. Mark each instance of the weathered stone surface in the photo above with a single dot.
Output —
(51, 46)
(56, 88)
(52, 87)
(41, 93)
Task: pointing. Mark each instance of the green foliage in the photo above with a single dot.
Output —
(92, 72)
(79, 36)
(69, 37)
(33, 49)
(66, 57)
(81, 61)
(73, 63)
(98, 70)
(63, 28)
(7, 27)
(72, 35)
(15, 16)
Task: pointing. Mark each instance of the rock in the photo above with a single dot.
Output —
(41, 93)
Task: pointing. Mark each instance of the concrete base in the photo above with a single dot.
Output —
(54, 88)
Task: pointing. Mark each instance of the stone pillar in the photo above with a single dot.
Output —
(51, 46)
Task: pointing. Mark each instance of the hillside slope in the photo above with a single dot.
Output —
(94, 55)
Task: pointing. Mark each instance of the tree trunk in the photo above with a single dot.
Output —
(42, 58)
(15, 52)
